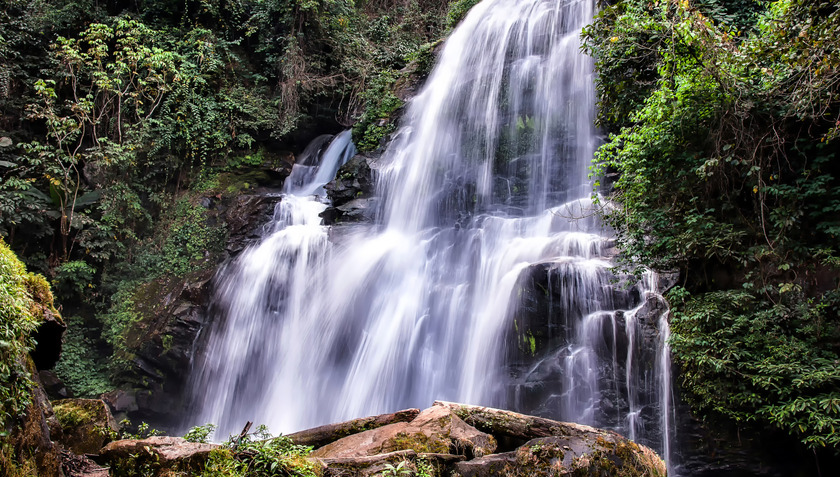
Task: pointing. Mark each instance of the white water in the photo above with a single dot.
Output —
(486, 180)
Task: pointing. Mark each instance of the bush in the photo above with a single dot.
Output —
(17, 323)
(82, 366)
(458, 10)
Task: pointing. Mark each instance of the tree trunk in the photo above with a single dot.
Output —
(323, 435)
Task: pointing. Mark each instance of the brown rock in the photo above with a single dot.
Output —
(559, 448)
(435, 430)
(87, 424)
(159, 454)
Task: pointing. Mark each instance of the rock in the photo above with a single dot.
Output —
(435, 430)
(30, 439)
(51, 327)
(53, 385)
(377, 465)
(357, 210)
(555, 456)
(160, 347)
(354, 182)
(245, 217)
(323, 435)
(555, 448)
(80, 466)
(121, 403)
(159, 455)
(365, 466)
(493, 464)
(87, 424)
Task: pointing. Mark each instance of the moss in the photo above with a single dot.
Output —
(419, 443)
(622, 458)
(43, 306)
(87, 424)
(71, 413)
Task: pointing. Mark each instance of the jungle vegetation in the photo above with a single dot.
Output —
(723, 119)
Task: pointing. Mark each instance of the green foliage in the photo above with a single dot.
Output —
(396, 471)
(748, 358)
(81, 366)
(458, 10)
(380, 103)
(199, 433)
(190, 240)
(17, 322)
(143, 430)
(73, 278)
(261, 455)
(721, 128)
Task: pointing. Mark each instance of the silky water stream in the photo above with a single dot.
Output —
(485, 278)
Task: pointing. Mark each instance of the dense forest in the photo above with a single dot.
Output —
(720, 160)
(117, 116)
(723, 120)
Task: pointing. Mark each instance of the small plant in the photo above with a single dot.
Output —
(424, 468)
(143, 431)
(396, 471)
(200, 433)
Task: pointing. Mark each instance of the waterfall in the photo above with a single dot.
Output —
(485, 201)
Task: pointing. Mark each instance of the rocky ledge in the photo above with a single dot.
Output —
(447, 439)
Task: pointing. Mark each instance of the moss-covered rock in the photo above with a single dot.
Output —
(87, 424)
(25, 411)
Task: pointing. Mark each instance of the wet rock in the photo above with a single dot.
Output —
(245, 217)
(157, 455)
(160, 346)
(435, 430)
(357, 210)
(87, 424)
(354, 183)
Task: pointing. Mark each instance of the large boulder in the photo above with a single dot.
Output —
(86, 424)
(553, 447)
(436, 430)
(458, 439)
(155, 456)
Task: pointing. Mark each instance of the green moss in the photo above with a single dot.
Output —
(623, 458)
(419, 443)
(74, 412)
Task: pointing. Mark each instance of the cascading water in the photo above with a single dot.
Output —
(484, 190)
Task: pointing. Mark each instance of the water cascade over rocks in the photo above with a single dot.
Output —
(486, 278)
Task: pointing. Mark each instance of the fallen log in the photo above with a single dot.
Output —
(323, 435)
(501, 423)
